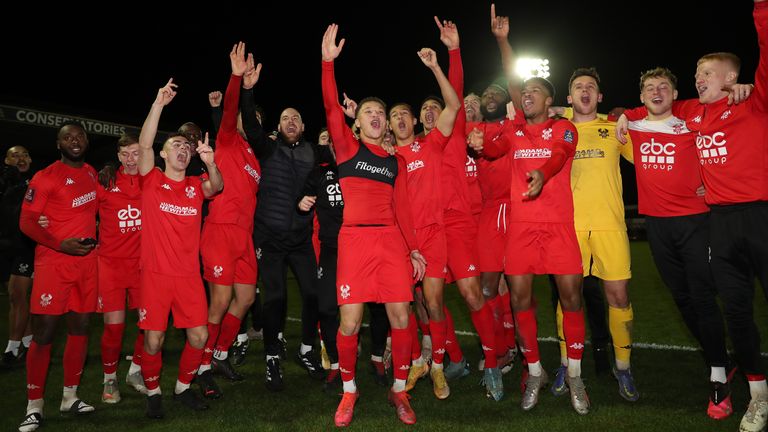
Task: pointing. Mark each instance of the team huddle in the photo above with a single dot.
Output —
(496, 189)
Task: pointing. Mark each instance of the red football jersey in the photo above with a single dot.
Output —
(171, 213)
(239, 168)
(120, 222)
(67, 197)
(667, 168)
(423, 161)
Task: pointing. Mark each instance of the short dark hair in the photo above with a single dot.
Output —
(543, 81)
(402, 104)
(370, 99)
(437, 99)
(583, 71)
(125, 140)
(659, 72)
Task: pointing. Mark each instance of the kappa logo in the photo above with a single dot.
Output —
(524, 350)
(329, 175)
(45, 299)
(142, 314)
(344, 289)
(152, 378)
(99, 304)
(115, 189)
(657, 156)
(110, 363)
(258, 253)
(217, 270)
(696, 119)
(485, 348)
(711, 148)
(508, 325)
(405, 367)
(441, 351)
(415, 146)
(129, 219)
(166, 186)
(576, 346)
(725, 115)
(319, 272)
(190, 190)
(471, 267)
(342, 370)
(519, 133)
(69, 181)
(208, 350)
(546, 134)
(32, 386)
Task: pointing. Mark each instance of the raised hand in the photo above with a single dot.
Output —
(449, 34)
(166, 94)
(428, 57)
(350, 106)
(237, 59)
(214, 98)
(205, 151)
(252, 73)
(511, 110)
(330, 49)
(499, 24)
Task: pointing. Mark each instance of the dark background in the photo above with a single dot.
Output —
(106, 62)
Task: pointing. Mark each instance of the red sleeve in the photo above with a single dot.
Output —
(456, 77)
(31, 209)
(344, 143)
(231, 105)
(402, 206)
(563, 147)
(760, 94)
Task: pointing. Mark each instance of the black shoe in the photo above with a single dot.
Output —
(379, 373)
(9, 360)
(208, 385)
(224, 368)
(189, 399)
(237, 352)
(332, 383)
(602, 364)
(283, 348)
(155, 406)
(274, 379)
(311, 364)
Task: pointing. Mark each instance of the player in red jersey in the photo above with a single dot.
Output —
(229, 258)
(170, 249)
(541, 235)
(118, 265)
(65, 269)
(423, 158)
(374, 263)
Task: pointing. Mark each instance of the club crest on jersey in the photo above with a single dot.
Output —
(217, 270)
(23, 268)
(415, 147)
(546, 134)
(344, 289)
(603, 132)
(190, 190)
(568, 135)
(45, 299)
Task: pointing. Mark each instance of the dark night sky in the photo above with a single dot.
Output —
(110, 68)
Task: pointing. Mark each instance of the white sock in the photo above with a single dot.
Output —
(69, 396)
(26, 340)
(334, 366)
(180, 387)
(418, 362)
(349, 386)
(35, 405)
(220, 355)
(203, 368)
(153, 392)
(305, 349)
(134, 368)
(398, 385)
(110, 376)
(242, 337)
(622, 365)
(377, 358)
(438, 366)
(574, 367)
(717, 374)
(758, 389)
(13, 346)
(534, 368)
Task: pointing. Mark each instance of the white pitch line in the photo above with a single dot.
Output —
(642, 345)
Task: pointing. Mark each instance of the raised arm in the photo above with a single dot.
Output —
(214, 99)
(500, 31)
(215, 183)
(342, 139)
(452, 103)
(239, 66)
(760, 15)
(262, 145)
(149, 130)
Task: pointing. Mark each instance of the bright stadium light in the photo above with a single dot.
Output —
(532, 67)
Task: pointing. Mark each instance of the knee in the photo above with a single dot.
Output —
(152, 345)
(349, 327)
(197, 338)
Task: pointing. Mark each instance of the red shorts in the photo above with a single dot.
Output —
(118, 277)
(228, 255)
(373, 266)
(434, 247)
(61, 288)
(541, 248)
(492, 237)
(461, 235)
(164, 294)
